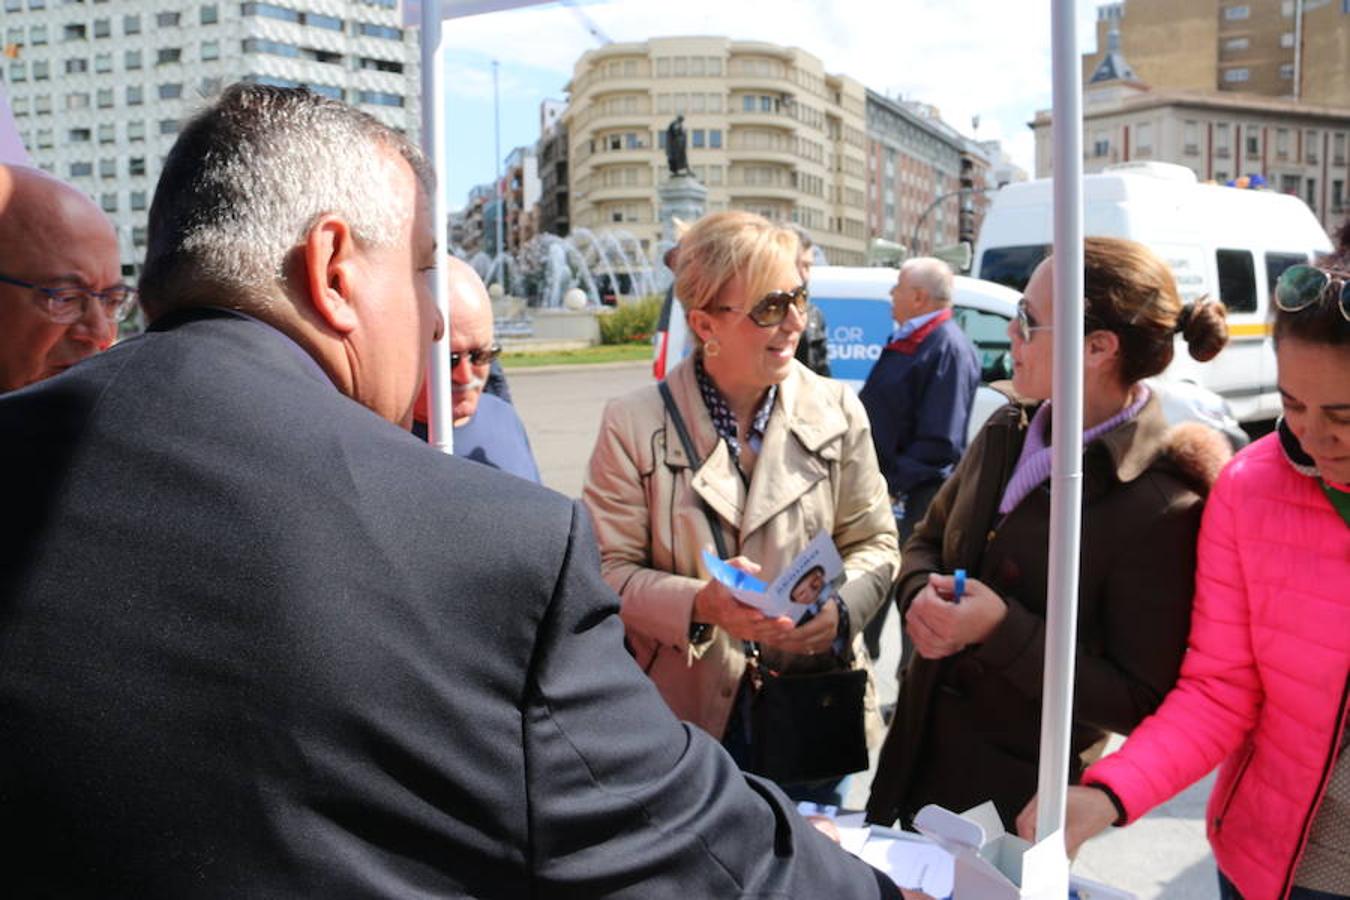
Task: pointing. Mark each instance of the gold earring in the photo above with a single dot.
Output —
(711, 347)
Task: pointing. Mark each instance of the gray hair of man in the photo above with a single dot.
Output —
(247, 179)
(930, 275)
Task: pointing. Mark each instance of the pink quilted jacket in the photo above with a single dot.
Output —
(1264, 684)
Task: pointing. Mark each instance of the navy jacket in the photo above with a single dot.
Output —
(256, 641)
(919, 406)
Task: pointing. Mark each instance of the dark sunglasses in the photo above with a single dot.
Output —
(66, 305)
(482, 356)
(1299, 287)
(773, 308)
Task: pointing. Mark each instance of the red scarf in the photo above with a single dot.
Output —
(910, 345)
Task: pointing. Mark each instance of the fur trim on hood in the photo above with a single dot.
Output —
(1199, 451)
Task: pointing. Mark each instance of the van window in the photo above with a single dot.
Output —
(1276, 263)
(1012, 265)
(1237, 280)
(989, 333)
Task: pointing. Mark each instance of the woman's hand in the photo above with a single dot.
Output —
(939, 627)
(715, 605)
(815, 637)
(1087, 813)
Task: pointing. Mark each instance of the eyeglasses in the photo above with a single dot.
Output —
(481, 356)
(1026, 325)
(67, 305)
(773, 308)
(1299, 287)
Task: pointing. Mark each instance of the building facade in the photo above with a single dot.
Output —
(520, 197)
(552, 155)
(100, 88)
(1274, 48)
(917, 168)
(1297, 148)
(768, 130)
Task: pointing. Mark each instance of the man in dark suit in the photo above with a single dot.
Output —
(256, 641)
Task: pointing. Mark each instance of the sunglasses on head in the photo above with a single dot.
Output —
(1300, 287)
(773, 308)
(480, 356)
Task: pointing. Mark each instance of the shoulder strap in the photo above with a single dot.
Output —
(695, 462)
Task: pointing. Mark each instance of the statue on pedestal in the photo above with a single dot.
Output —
(677, 155)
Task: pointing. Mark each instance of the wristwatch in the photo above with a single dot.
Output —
(700, 632)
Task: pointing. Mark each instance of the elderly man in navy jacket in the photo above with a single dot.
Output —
(258, 641)
(918, 397)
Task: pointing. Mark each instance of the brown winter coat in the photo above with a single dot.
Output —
(815, 472)
(967, 728)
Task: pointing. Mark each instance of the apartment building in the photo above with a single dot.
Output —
(520, 197)
(100, 88)
(552, 155)
(1274, 48)
(768, 131)
(1297, 148)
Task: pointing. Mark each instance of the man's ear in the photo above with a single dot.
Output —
(330, 272)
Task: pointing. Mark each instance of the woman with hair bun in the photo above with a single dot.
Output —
(1265, 687)
(967, 724)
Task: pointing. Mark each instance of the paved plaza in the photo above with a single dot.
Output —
(1165, 855)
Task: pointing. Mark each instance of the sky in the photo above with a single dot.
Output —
(986, 58)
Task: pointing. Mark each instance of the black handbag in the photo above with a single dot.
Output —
(804, 727)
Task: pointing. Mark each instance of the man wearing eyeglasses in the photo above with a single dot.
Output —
(60, 300)
(486, 427)
(918, 398)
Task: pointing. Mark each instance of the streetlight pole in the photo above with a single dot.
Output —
(969, 192)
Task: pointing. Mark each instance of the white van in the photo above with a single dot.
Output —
(1226, 242)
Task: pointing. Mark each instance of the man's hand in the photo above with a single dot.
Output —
(715, 605)
(939, 627)
(1088, 812)
(815, 637)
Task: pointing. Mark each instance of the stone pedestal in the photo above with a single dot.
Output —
(681, 196)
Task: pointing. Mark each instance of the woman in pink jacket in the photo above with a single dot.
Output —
(1265, 683)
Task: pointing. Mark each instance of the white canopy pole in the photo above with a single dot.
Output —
(440, 434)
(1066, 478)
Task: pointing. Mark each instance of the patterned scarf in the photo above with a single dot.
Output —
(725, 421)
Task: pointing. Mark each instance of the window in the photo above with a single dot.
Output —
(135, 166)
(211, 86)
(1310, 139)
(1289, 184)
(103, 63)
(748, 103)
(1144, 138)
(79, 135)
(1237, 44)
(210, 50)
(102, 28)
(1236, 76)
(1276, 263)
(1281, 143)
(18, 71)
(1237, 280)
(1337, 195)
(136, 130)
(715, 138)
(1101, 145)
(382, 65)
(107, 132)
(138, 200)
(132, 60)
(107, 168)
(131, 24)
(1287, 71)
(379, 31)
(1236, 13)
(332, 23)
(172, 90)
(1310, 193)
(138, 235)
(37, 4)
(77, 66)
(168, 126)
(108, 202)
(1253, 140)
(135, 95)
(73, 32)
(379, 98)
(167, 19)
(104, 98)
(167, 55)
(1338, 149)
(210, 14)
(1287, 8)
(41, 70)
(37, 35)
(81, 169)
(1190, 137)
(77, 100)
(698, 137)
(1287, 40)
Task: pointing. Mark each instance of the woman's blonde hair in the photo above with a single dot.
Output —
(724, 245)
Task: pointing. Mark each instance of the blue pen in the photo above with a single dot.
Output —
(959, 588)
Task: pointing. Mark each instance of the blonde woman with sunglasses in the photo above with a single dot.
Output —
(966, 727)
(782, 455)
(1264, 691)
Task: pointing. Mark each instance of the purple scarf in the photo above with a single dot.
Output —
(1033, 466)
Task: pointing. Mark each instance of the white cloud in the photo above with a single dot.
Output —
(967, 57)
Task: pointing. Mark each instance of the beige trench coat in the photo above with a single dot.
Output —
(816, 471)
